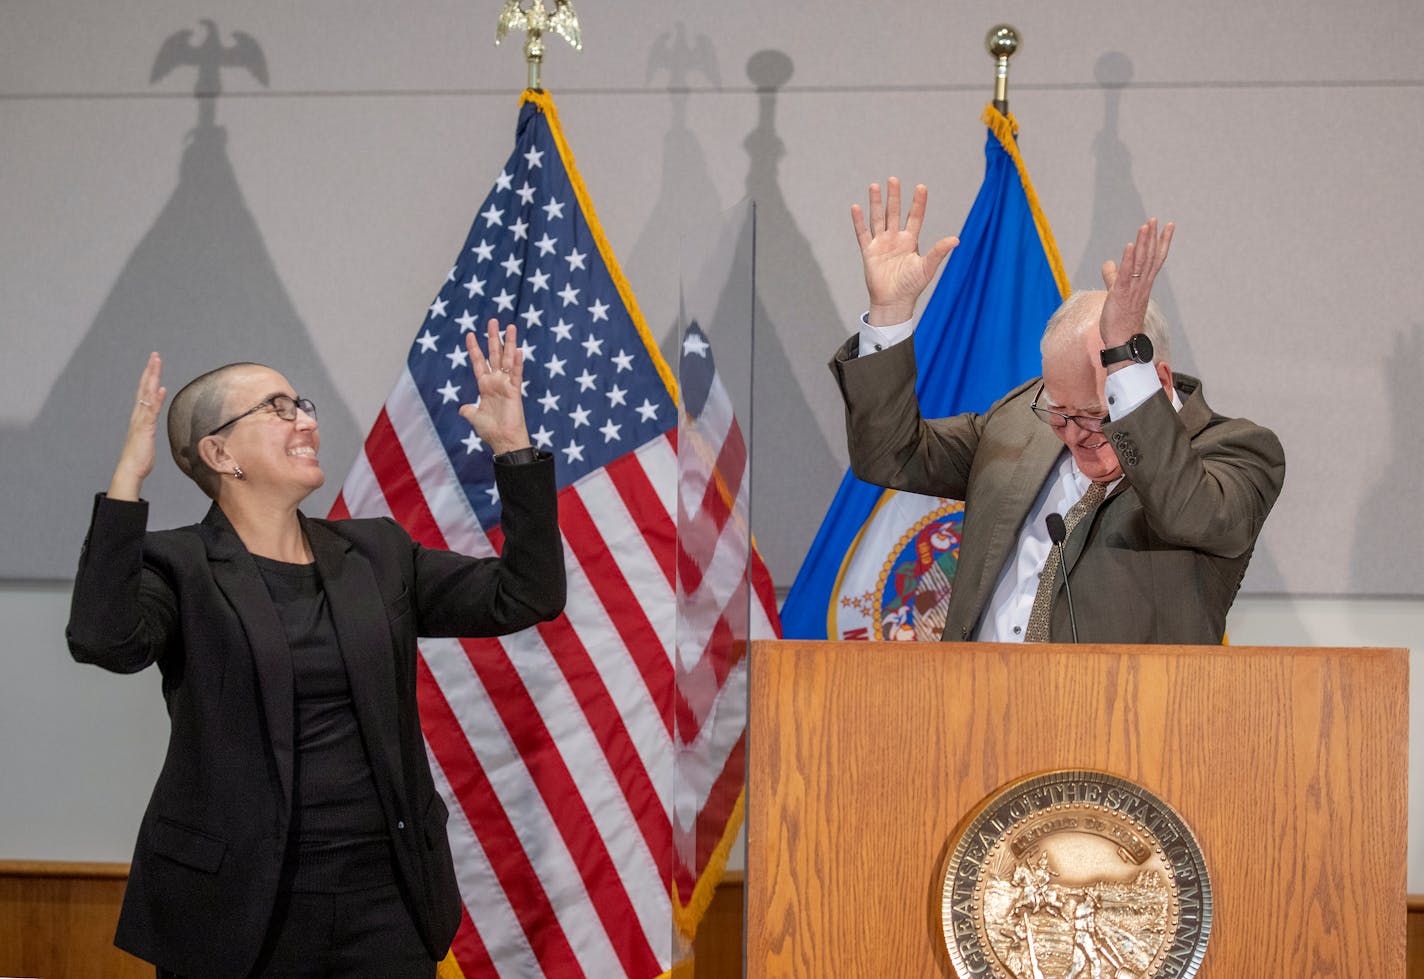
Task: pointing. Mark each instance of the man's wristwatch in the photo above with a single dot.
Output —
(1137, 349)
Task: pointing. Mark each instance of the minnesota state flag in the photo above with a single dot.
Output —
(882, 565)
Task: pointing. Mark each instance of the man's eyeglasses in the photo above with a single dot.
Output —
(280, 405)
(1088, 423)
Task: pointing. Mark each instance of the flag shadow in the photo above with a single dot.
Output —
(201, 289)
(793, 313)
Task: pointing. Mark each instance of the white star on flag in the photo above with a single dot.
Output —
(695, 345)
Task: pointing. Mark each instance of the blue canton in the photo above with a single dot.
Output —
(592, 391)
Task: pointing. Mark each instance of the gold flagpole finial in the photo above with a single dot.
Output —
(534, 20)
(1001, 42)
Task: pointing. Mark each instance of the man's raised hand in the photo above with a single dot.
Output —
(1129, 284)
(895, 271)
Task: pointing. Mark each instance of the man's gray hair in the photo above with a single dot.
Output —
(194, 412)
(1155, 325)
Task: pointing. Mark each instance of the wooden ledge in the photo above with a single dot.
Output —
(68, 869)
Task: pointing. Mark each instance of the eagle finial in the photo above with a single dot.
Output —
(534, 20)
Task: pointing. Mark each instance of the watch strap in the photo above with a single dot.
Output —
(1137, 349)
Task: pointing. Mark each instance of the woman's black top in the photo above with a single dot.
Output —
(340, 841)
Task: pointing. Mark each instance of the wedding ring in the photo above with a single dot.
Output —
(146, 404)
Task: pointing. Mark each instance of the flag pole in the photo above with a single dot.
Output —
(1001, 42)
(534, 21)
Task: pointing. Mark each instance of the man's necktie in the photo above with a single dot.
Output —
(1041, 614)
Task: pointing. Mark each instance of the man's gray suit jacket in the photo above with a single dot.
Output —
(1159, 562)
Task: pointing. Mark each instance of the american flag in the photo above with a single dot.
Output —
(724, 597)
(555, 748)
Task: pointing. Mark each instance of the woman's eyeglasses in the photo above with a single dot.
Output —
(280, 405)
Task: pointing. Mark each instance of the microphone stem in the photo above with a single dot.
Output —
(1072, 619)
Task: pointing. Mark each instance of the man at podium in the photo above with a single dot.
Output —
(1108, 467)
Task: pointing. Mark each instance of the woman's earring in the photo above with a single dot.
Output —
(238, 473)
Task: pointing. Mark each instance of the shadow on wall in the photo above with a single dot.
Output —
(1386, 557)
(687, 204)
(201, 289)
(794, 470)
(1118, 210)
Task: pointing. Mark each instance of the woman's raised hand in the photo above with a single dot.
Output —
(136, 459)
(498, 416)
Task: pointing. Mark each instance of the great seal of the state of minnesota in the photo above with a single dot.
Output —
(1075, 875)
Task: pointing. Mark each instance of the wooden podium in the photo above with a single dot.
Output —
(1289, 765)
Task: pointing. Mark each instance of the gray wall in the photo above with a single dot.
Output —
(309, 221)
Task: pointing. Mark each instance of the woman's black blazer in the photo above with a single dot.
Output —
(210, 848)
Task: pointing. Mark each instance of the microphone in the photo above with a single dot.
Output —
(1056, 534)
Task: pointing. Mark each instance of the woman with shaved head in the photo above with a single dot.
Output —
(295, 829)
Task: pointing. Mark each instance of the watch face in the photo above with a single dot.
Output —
(1138, 349)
